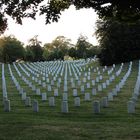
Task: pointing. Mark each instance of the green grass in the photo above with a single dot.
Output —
(113, 123)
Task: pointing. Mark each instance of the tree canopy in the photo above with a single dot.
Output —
(18, 9)
(119, 42)
(11, 49)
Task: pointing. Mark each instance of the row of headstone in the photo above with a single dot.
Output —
(4, 88)
(131, 104)
(87, 86)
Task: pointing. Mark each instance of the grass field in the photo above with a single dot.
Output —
(113, 123)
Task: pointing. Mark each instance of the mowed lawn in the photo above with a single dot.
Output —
(81, 123)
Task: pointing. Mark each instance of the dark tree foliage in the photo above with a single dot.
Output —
(119, 42)
(34, 50)
(122, 9)
(72, 52)
(19, 9)
(11, 49)
(82, 47)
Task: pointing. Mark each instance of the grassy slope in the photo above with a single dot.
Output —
(114, 123)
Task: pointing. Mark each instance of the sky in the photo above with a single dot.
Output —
(71, 24)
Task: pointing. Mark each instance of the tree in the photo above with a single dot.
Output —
(34, 51)
(11, 49)
(57, 49)
(82, 47)
(122, 9)
(119, 42)
(72, 52)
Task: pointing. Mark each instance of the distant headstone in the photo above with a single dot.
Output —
(55, 92)
(93, 82)
(43, 84)
(87, 96)
(65, 88)
(94, 91)
(97, 79)
(114, 91)
(23, 96)
(28, 101)
(7, 106)
(131, 107)
(64, 107)
(99, 88)
(107, 82)
(79, 82)
(77, 101)
(104, 85)
(110, 96)
(96, 107)
(21, 91)
(82, 89)
(88, 85)
(38, 91)
(73, 85)
(49, 88)
(33, 87)
(44, 96)
(39, 82)
(52, 83)
(104, 102)
(35, 106)
(51, 101)
(88, 77)
(65, 96)
(75, 92)
(84, 80)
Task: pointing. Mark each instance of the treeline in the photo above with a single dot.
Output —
(119, 41)
(11, 49)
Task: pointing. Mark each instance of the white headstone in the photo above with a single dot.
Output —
(64, 107)
(38, 91)
(65, 96)
(88, 85)
(110, 96)
(65, 88)
(33, 87)
(23, 96)
(75, 92)
(51, 101)
(7, 107)
(35, 106)
(99, 88)
(96, 107)
(77, 101)
(87, 96)
(21, 91)
(44, 96)
(114, 92)
(55, 92)
(49, 88)
(82, 89)
(94, 91)
(93, 82)
(28, 101)
(104, 85)
(104, 102)
(131, 107)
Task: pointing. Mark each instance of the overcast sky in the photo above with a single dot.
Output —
(71, 24)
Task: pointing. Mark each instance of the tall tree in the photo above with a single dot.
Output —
(119, 41)
(82, 47)
(34, 51)
(57, 49)
(11, 49)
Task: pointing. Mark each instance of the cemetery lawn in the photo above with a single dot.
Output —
(113, 123)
